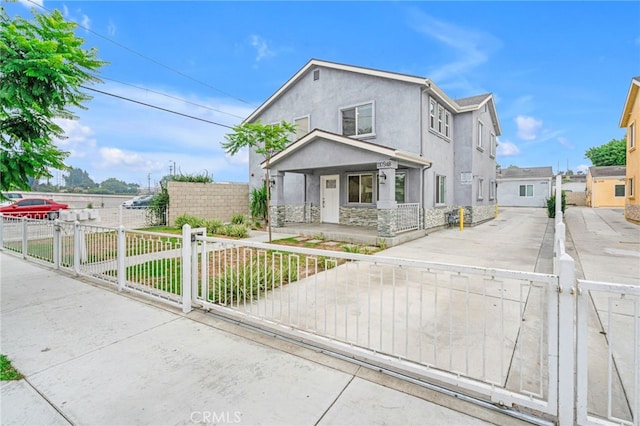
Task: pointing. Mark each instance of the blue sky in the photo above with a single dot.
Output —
(559, 71)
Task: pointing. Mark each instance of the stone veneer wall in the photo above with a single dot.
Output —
(632, 212)
(207, 200)
(302, 213)
(358, 216)
(434, 218)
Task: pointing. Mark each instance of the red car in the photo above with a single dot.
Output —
(38, 208)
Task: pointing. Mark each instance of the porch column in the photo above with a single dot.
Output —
(387, 206)
(276, 207)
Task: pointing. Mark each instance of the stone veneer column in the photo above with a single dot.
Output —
(387, 222)
(277, 209)
(387, 206)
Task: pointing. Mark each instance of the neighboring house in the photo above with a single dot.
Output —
(524, 187)
(631, 120)
(378, 149)
(606, 186)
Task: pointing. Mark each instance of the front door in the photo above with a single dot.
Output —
(330, 198)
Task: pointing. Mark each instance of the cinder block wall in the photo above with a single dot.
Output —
(207, 200)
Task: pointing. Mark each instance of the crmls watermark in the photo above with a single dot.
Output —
(216, 417)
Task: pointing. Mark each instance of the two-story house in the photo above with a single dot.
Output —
(378, 149)
(631, 120)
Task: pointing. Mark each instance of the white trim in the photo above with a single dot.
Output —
(355, 107)
(317, 133)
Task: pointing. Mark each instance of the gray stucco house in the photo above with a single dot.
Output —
(524, 187)
(378, 149)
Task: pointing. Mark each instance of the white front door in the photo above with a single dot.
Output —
(330, 198)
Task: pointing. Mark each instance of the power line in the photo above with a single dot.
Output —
(173, 97)
(156, 107)
(152, 60)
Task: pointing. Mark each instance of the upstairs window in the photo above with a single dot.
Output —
(447, 124)
(358, 120)
(433, 105)
(480, 132)
(302, 126)
(439, 119)
(493, 145)
(632, 135)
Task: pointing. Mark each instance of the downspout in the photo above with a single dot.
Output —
(424, 168)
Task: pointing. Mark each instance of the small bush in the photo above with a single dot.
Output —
(238, 219)
(352, 248)
(193, 221)
(214, 226)
(551, 204)
(200, 178)
(236, 231)
(258, 203)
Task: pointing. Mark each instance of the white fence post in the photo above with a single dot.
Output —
(186, 269)
(25, 238)
(120, 210)
(1, 231)
(122, 253)
(56, 244)
(566, 340)
(76, 247)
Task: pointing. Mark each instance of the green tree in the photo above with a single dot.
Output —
(78, 178)
(42, 68)
(115, 186)
(266, 140)
(613, 153)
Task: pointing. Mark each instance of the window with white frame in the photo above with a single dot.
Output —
(631, 189)
(447, 123)
(493, 144)
(480, 188)
(526, 190)
(360, 188)
(619, 190)
(480, 132)
(492, 189)
(433, 105)
(357, 120)
(302, 126)
(440, 120)
(632, 135)
(441, 189)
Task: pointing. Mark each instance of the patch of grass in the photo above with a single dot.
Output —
(352, 248)
(7, 372)
(292, 240)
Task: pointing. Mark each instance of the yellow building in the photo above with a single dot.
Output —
(630, 120)
(606, 186)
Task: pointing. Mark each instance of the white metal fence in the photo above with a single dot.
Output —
(547, 345)
(408, 218)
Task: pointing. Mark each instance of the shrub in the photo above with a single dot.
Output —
(193, 221)
(236, 231)
(258, 203)
(551, 204)
(201, 178)
(251, 280)
(352, 248)
(214, 226)
(238, 219)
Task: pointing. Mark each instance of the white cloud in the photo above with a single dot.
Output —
(134, 161)
(528, 127)
(111, 28)
(565, 142)
(85, 22)
(30, 4)
(262, 48)
(77, 141)
(471, 48)
(507, 149)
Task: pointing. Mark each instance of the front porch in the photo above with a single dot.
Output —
(365, 235)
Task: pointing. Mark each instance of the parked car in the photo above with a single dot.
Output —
(138, 202)
(9, 198)
(37, 208)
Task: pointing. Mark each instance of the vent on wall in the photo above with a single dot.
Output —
(316, 75)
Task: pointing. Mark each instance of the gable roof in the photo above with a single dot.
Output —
(315, 134)
(525, 172)
(631, 99)
(608, 171)
(468, 104)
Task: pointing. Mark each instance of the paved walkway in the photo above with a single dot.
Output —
(93, 356)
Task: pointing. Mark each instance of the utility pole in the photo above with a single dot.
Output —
(149, 182)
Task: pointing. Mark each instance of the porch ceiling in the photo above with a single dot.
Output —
(321, 150)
